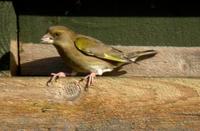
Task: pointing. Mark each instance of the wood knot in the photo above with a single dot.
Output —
(68, 91)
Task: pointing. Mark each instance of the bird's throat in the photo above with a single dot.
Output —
(70, 55)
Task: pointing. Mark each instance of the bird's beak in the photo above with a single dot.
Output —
(47, 38)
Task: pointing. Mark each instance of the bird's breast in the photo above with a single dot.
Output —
(81, 62)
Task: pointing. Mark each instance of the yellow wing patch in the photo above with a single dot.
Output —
(113, 58)
(95, 48)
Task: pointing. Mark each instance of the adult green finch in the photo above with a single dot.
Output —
(85, 54)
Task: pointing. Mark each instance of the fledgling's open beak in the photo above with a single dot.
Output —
(47, 38)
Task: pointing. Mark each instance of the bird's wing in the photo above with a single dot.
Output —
(93, 47)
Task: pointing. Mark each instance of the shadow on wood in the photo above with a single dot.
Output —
(54, 65)
(169, 62)
(46, 66)
(4, 63)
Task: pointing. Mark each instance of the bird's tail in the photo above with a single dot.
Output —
(140, 55)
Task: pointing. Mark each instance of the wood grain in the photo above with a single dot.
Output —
(41, 60)
(111, 104)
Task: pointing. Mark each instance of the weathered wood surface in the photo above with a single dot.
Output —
(41, 59)
(111, 104)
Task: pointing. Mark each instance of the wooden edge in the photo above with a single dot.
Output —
(14, 62)
(110, 104)
(41, 60)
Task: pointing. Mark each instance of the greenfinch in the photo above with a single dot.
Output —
(85, 54)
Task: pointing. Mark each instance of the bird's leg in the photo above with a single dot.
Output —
(55, 76)
(89, 78)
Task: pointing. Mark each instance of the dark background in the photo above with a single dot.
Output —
(109, 7)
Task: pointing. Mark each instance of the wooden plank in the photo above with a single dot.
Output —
(41, 59)
(111, 104)
(8, 32)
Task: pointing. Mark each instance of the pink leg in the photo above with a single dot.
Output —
(55, 76)
(89, 78)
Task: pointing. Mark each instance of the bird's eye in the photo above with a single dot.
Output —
(56, 34)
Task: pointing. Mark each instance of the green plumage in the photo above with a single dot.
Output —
(96, 48)
(86, 54)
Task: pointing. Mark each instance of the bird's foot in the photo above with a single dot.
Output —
(89, 78)
(55, 76)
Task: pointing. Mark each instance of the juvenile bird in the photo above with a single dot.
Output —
(85, 54)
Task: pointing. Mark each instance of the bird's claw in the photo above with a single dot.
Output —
(55, 76)
(89, 80)
(49, 81)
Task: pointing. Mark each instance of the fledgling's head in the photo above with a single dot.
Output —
(56, 34)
